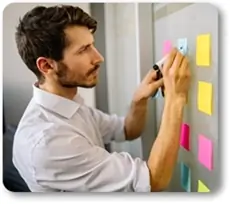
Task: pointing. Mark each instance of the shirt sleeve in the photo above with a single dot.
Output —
(71, 163)
(112, 127)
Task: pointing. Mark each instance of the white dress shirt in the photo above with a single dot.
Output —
(59, 146)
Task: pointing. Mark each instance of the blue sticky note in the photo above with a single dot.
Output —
(185, 177)
(157, 95)
(182, 45)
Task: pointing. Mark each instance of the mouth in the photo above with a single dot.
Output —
(95, 69)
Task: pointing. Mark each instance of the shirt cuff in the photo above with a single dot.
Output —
(142, 177)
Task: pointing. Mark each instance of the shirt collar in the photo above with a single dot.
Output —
(60, 105)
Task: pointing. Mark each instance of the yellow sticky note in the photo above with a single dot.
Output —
(204, 98)
(202, 187)
(203, 50)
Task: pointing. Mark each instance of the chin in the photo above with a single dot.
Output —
(89, 85)
(92, 85)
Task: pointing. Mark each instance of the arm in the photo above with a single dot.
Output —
(129, 128)
(164, 152)
(136, 119)
(70, 163)
(111, 126)
(115, 128)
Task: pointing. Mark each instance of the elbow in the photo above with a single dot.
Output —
(158, 187)
(158, 182)
(132, 135)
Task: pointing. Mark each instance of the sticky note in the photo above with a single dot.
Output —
(167, 47)
(203, 50)
(157, 94)
(204, 98)
(184, 136)
(182, 45)
(202, 188)
(185, 177)
(205, 152)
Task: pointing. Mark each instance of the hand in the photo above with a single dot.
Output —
(176, 75)
(148, 86)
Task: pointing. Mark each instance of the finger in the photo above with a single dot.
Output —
(184, 66)
(177, 61)
(151, 75)
(157, 84)
(168, 63)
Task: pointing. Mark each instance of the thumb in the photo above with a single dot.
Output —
(149, 77)
(159, 83)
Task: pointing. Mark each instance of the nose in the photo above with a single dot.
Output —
(98, 58)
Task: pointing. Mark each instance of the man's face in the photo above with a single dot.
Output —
(81, 60)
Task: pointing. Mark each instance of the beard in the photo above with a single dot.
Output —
(62, 77)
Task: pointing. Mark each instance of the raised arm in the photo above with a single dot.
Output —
(164, 152)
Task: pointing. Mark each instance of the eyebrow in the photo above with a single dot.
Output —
(84, 46)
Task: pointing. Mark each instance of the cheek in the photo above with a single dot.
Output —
(78, 67)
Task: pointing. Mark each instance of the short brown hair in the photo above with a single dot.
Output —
(41, 32)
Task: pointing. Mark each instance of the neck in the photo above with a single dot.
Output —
(59, 90)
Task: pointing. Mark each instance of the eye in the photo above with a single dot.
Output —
(85, 49)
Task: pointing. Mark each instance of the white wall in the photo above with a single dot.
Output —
(122, 63)
(17, 78)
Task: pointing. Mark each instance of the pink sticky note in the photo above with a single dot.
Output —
(184, 137)
(205, 152)
(167, 47)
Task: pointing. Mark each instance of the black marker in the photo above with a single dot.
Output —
(157, 67)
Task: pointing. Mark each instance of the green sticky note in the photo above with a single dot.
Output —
(185, 177)
(202, 188)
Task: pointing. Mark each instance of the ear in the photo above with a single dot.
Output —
(45, 65)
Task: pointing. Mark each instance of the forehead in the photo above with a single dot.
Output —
(78, 36)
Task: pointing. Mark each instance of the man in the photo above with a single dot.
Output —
(59, 143)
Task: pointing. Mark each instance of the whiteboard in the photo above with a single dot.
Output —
(171, 22)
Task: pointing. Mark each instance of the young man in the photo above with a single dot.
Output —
(59, 143)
